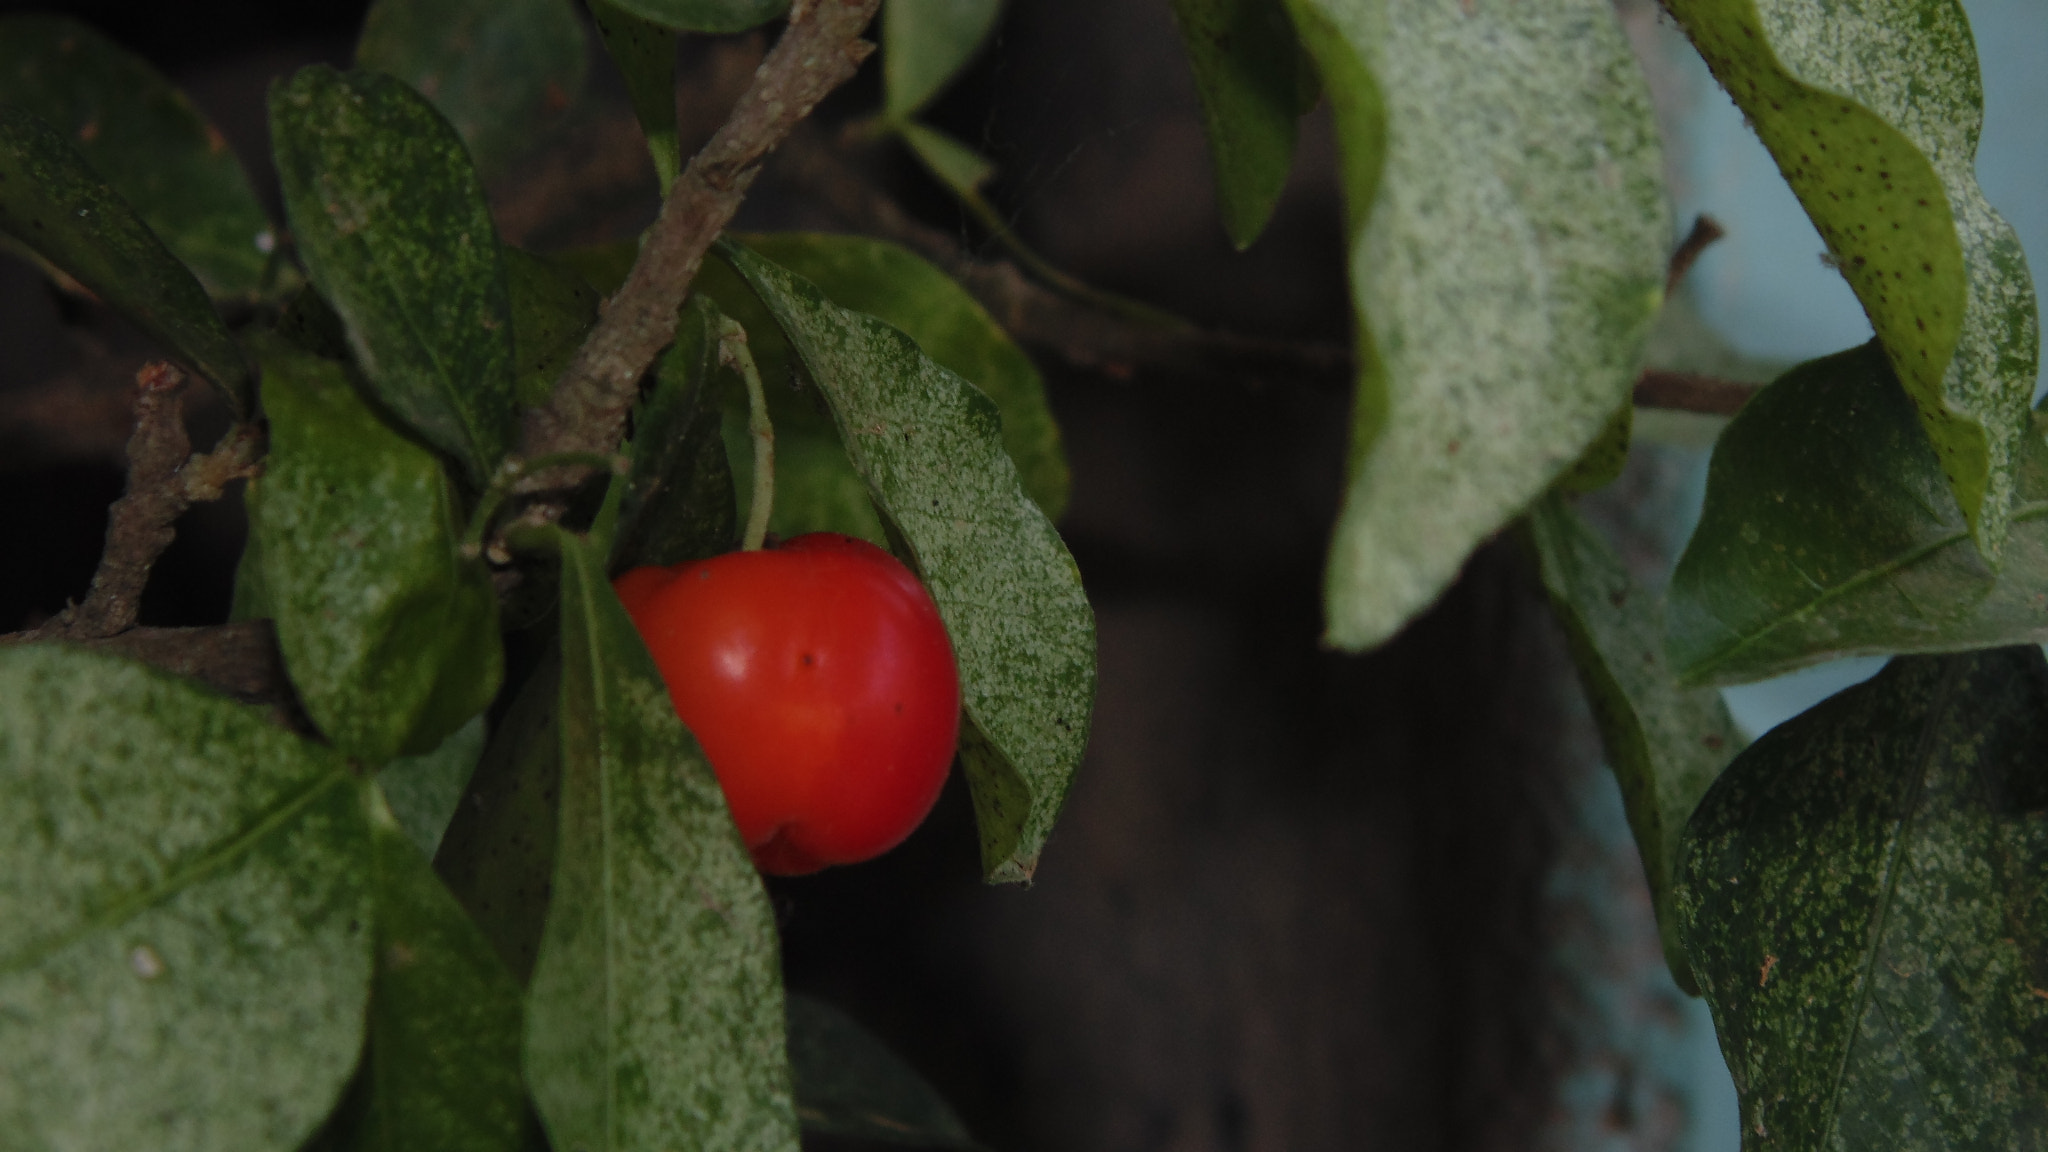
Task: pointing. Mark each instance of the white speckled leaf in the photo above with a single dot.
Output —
(1861, 898)
(1872, 110)
(1665, 743)
(184, 915)
(390, 635)
(930, 448)
(654, 1019)
(1507, 243)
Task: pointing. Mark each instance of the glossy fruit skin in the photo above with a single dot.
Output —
(818, 678)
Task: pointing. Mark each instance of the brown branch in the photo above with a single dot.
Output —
(1084, 336)
(819, 50)
(1705, 230)
(240, 659)
(1691, 392)
(164, 479)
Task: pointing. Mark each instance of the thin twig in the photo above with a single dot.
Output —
(734, 354)
(164, 479)
(1705, 230)
(1692, 392)
(819, 50)
(1092, 339)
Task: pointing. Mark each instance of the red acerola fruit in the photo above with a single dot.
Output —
(818, 678)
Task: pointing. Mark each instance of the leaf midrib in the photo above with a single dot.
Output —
(1698, 673)
(220, 855)
(1923, 757)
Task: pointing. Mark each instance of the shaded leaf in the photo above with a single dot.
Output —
(54, 204)
(442, 1070)
(395, 232)
(928, 445)
(424, 790)
(1255, 82)
(706, 15)
(676, 502)
(498, 70)
(146, 140)
(849, 1084)
(925, 43)
(899, 287)
(390, 635)
(1872, 110)
(1507, 236)
(552, 310)
(645, 53)
(1665, 744)
(957, 166)
(1861, 896)
(1829, 530)
(1603, 461)
(184, 953)
(655, 1015)
(498, 855)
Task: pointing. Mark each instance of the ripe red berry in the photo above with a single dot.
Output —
(818, 677)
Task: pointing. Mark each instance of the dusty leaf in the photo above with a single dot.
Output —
(655, 1018)
(1861, 900)
(1872, 110)
(389, 633)
(1507, 233)
(184, 914)
(928, 445)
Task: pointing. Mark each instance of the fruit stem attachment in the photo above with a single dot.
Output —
(734, 354)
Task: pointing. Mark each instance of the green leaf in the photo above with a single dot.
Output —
(955, 164)
(1255, 82)
(146, 140)
(1507, 233)
(925, 43)
(390, 635)
(1830, 531)
(1861, 895)
(553, 308)
(498, 856)
(1872, 111)
(442, 1071)
(396, 234)
(1603, 461)
(1665, 744)
(706, 15)
(645, 53)
(184, 953)
(655, 1015)
(902, 289)
(676, 502)
(54, 204)
(424, 790)
(929, 447)
(849, 1084)
(499, 70)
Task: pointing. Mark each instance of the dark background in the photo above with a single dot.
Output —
(1297, 898)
